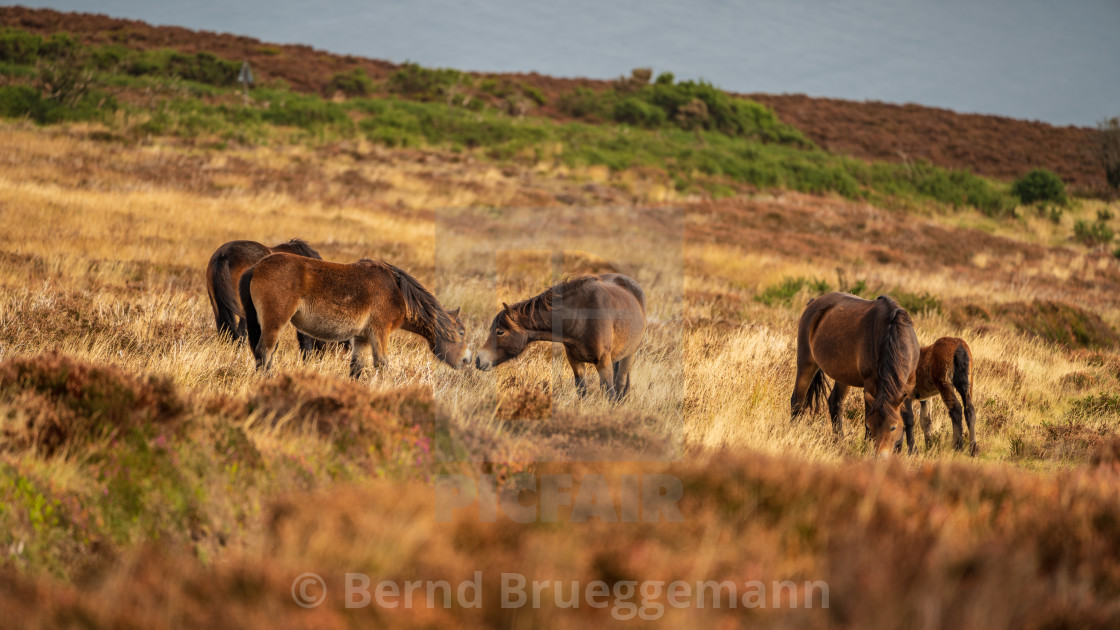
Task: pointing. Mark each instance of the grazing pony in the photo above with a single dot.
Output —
(858, 343)
(599, 319)
(943, 366)
(223, 273)
(361, 302)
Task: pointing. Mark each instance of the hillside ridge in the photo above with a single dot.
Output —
(989, 145)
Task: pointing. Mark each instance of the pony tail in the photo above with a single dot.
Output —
(890, 380)
(962, 369)
(252, 324)
(818, 391)
(223, 299)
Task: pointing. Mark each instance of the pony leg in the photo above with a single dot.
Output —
(622, 375)
(927, 424)
(307, 345)
(269, 340)
(955, 412)
(970, 419)
(835, 404)
(908, 425)
(359, 348)
(266, 347)
(605, 367)
(962, 381)
(380, 349)
(577, 371)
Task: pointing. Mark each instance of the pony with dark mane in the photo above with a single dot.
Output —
(223, 273)
(599, 319)
(858, 343)
(360, 302)
(945, 365)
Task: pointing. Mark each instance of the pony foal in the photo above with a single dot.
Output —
(945, 365)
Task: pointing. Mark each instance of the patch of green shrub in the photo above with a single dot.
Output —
(583, 103)
(1091, 234)
(635, 111)
(1039, 185)
(954, 187)
(788, 288)
(18, 101)
(1051, 213)
(917, 302)
(353, 82)
(426, 84)
(22, 101)
(19, 47)
(533, 94)
(297, 110)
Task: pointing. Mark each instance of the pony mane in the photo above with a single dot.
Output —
(891, 379)
(301, 247)
(536, 312)
(421, 307)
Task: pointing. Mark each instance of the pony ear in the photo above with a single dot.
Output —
(505, 307)
(455, 313)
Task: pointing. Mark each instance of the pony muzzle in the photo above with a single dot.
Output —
(484, 360)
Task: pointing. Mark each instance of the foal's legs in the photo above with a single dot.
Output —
(927, 424)
(963, 382)
(577, 370)
(622, 375)
(835, 404)
(949, 397)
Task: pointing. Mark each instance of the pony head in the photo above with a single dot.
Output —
(451, 346)
(507, 340)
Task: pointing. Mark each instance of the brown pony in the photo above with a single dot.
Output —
(943, 366)
(859, 343)
(599, 319)
(361, 302)
(223, 273)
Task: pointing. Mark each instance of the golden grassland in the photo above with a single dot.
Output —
(143, 461)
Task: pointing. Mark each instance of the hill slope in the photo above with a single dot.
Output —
(988, 145)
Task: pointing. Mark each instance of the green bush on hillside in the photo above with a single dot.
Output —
(788, 288)
(1091, 234)
(427, 84)
(690, 105)
(23, 48)
(23, 101)
(353, 82)
(1039, 185)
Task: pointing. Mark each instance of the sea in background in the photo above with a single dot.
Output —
(1048, 60)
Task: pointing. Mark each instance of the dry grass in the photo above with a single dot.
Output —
(101, 261)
